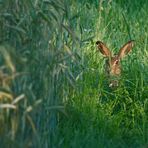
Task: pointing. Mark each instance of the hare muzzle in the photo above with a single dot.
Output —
(113, 70)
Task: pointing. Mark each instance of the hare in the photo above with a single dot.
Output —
(113, 68)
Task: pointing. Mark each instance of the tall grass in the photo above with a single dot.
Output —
(36, 41)
(53, 89)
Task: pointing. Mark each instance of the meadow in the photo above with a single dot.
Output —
(53, 88)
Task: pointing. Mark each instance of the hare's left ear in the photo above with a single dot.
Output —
(125, 49)
(103, 49)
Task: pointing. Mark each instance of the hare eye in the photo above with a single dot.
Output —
(117, 61)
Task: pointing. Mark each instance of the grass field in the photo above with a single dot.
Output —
(53, 90)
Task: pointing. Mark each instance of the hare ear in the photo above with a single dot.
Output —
(125, 49)
(103, 49)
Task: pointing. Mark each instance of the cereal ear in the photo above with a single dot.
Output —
(125, 49)
(103, 49)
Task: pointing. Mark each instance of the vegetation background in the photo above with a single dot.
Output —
(53, 92)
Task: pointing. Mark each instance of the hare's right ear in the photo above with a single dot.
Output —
(103, 49)
(125, 49)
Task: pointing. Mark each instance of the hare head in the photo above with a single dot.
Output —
(112, 66)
